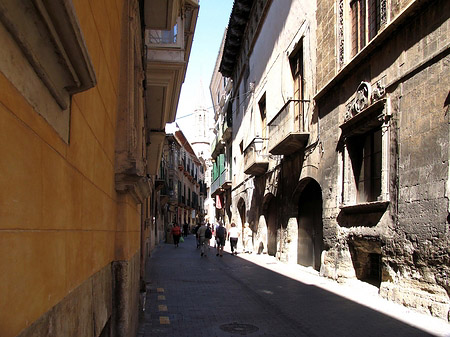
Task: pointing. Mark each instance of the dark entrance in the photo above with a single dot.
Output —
(241, 210)
(310, 228)
(272, 227)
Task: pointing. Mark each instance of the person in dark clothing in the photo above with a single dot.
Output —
(196, 234)
(185, 229)
(221, 234)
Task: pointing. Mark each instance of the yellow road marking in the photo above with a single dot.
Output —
(160, 290)
(162, 307)
(164, 320)
(161, 298)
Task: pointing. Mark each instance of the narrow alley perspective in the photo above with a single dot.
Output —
(315, 132)
(253, 295)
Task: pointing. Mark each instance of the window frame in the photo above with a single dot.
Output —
(365, 23)
(375, 117)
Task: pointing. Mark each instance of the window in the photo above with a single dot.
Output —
(237, 100)
(45, 57)
(296, 62)
(365, 155)
(263, 113)
(365, 22)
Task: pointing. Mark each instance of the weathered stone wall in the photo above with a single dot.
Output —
(326, 42)
(421, 268)
(126, 297)
(413, 232)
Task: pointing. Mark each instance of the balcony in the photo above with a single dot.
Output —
(286, 130)
(168, 41)
(223, 134)
(161, 14)
(173, 197)
(164, 195)
(222, 182)
(255, 163)
(159, 184)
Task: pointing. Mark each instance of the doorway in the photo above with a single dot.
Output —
(272, 227)
(310, 227)
(241, 210)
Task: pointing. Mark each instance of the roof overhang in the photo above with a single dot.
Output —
(236, 28)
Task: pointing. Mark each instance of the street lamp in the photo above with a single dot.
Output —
(258, 143)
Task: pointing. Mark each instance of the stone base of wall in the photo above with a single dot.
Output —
(424, 297)
(337, 263)
(86, 311)
(126, 297)
(105, 305)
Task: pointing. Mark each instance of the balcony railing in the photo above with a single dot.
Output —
(286, 130)
(255, 163)
(165, 38)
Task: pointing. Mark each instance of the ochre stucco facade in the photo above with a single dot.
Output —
(62, 221)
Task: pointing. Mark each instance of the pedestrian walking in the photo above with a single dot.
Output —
(196, 234)
(221, 234)
(185, 229)
(247, 239)
(233, 236)
(208, 235)
(176, 233)
(202, 240)
(215, 227)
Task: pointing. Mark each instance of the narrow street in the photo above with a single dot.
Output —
(189, 295)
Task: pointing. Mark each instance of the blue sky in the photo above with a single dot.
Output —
(211, 23)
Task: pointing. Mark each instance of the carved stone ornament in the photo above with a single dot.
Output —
(341, 33)
(348, 111)
(378, 91)
(362, 98)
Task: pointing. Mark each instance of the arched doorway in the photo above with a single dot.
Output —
(272, 226)
(310, 228)
(241, 210)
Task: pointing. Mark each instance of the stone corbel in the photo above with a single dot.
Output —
(138, 187)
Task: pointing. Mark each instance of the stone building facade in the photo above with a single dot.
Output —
(184, 180)
(340, 139)
(221, 89)
(81, 139)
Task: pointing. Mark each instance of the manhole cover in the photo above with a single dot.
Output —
(239, 328)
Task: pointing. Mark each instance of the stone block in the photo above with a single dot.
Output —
(424, 297)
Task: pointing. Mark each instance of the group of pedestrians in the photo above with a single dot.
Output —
(204, 233)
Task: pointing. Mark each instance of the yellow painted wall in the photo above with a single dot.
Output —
(60, 217)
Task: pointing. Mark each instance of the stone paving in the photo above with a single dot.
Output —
(254, 295)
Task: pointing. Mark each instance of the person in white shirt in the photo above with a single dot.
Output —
(247, 239)
(202, 240)
(233, 236)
